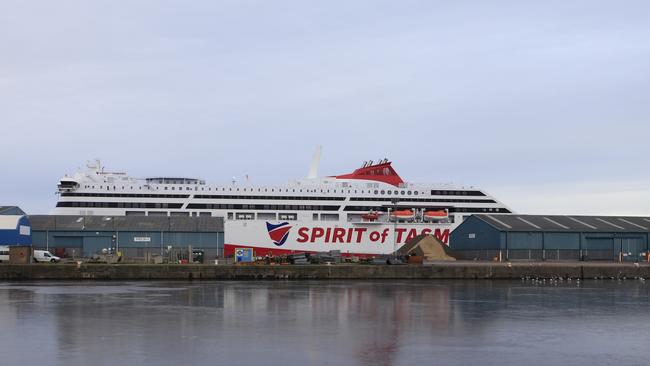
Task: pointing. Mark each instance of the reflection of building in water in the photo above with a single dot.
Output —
(154, 319)
(372, 322)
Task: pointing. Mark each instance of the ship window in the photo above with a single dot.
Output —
(173, 188)
(408, 193)
(389, 192)
(415, 193)
(329, 217)
(166, 188)
(287, 216)
(382, 192)
(245, 216)
(403, 192)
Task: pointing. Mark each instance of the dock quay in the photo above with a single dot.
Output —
(443, 270)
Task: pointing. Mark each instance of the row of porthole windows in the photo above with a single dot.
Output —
(396, 192)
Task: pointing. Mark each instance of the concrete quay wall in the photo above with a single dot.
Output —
(455, 270)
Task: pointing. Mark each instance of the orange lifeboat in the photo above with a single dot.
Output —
(435, 215)
(404, 215)
(371, 216)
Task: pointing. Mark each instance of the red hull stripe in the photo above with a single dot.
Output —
(229, 251)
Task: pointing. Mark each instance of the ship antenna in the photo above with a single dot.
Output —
(315, 162)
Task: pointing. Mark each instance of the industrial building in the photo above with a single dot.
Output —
(540, 237)
(15, 230)
(133, 236)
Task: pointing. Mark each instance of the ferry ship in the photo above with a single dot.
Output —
(367, 212)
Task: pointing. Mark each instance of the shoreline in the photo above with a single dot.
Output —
(436, 270)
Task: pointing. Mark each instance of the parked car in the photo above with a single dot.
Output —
(45, 256)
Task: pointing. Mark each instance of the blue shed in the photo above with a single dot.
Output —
(15, 230)
(553, 237)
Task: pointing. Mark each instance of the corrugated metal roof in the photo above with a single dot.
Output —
(558, 223)
(126, 223)
(11, 210)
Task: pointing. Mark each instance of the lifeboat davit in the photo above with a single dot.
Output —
(435, 215)
(371, 216)
(404, 215)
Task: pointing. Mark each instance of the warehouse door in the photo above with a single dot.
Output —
(68, 241)
(95, 244)
(600, 249)
(632, 249)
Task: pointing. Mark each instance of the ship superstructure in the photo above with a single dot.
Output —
(371, 196)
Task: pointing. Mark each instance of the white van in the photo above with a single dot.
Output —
(4, 254)
(45, 256)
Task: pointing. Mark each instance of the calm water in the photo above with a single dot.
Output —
(334, 323)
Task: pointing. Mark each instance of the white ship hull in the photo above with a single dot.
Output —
(361, 239)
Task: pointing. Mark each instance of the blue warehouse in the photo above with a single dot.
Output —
(134, 236)
(546, 237)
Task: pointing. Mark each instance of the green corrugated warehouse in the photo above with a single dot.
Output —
(546, 237)
(83, 236)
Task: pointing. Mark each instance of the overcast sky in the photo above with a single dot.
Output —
(545, 104)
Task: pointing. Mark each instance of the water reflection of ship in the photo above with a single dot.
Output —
(371, 322)
(395, 315)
